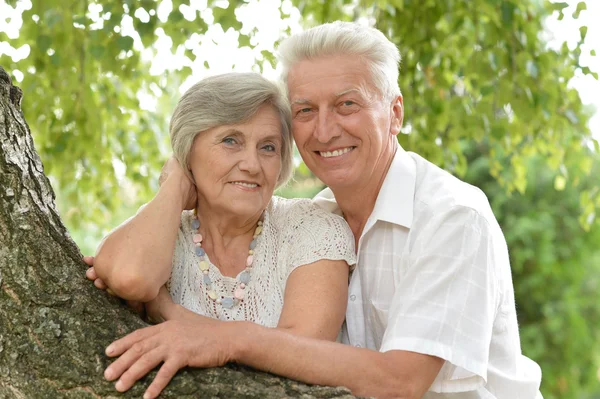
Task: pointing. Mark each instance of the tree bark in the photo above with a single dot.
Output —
(54, 324)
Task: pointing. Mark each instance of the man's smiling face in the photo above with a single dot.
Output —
(343, 127)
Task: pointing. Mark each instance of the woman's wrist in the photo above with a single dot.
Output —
(178, 187)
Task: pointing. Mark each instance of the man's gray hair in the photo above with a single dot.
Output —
(227, 99)
(346, 38)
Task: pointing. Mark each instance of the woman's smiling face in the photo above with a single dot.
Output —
(236, 167)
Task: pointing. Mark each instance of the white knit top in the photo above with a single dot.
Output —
(295, 233)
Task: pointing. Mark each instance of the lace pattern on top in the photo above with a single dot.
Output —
(295, 233)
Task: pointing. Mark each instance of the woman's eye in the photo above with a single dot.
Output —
(270, 148)
(348, 103)
(229, 140)
(304, 110)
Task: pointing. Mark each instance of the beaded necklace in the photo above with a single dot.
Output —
(243, 278)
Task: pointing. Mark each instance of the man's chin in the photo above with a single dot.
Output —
(336, 180)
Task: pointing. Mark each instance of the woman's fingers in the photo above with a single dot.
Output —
(139, 368)
(120, 346)
(100, 284)
(126, 360)
(162, 379)
(90, 274)
(89, 260)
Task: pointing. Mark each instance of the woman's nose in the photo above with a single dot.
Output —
(249, 161)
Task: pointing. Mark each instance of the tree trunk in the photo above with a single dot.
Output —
(54, 324)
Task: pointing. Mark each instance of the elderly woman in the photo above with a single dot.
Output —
(237, 255)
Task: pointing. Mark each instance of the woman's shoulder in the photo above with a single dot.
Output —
(290, 212)
(307, 232)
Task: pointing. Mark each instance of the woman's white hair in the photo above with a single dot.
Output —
(346, 38)
(227, 99)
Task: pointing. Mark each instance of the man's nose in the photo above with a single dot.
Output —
(326, 129)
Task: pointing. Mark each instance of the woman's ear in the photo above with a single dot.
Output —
(397, 111)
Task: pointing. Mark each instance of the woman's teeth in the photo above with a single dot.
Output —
(249, 185)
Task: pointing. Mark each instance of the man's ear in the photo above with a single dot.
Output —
(397, 110)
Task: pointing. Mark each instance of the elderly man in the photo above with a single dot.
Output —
(431, 309)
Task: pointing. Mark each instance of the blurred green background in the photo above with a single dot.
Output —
(495, 92)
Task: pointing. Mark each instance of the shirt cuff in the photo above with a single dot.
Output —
(460, 373)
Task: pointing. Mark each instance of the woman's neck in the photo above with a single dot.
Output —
(226, 239)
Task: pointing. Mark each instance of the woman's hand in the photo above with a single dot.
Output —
(175, 344)
(173, 170)
(91, 275)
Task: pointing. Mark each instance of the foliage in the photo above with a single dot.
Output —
(556, 272)
(472, 72)
(83, 80)
(480, 70)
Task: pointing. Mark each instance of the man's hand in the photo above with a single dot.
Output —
(173, 170)
(175, 344)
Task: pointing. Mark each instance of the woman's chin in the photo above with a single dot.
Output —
(246, 208)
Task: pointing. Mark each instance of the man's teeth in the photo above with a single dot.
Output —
(336, 153)
(249, 185)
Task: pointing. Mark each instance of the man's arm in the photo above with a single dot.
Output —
(211, 343)
(393, 374)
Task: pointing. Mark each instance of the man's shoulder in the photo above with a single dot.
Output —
(437, 191)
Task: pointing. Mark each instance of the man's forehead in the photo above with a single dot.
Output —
(306, 94)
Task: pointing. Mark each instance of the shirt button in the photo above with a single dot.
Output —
(358, 345)
(353, 297)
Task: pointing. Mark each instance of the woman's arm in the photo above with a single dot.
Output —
(314, 303)
(134, 261)
(315, 300)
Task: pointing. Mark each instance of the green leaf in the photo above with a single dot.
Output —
(97, 52)
(583, 32)
(44, 42)
(559, 6)
(508, 9)
(125, 43)
(581, 6)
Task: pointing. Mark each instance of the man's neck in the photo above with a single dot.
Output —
(357, 202)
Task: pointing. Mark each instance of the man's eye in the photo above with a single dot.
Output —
(348, 103)
(305, 110)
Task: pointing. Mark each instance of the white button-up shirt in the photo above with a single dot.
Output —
(433, 277)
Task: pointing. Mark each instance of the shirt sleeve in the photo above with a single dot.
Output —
(311, 234)
(447, 299)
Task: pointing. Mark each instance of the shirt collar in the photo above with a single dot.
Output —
(394, 202)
